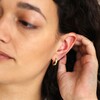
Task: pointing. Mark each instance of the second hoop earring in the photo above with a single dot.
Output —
(55, 62)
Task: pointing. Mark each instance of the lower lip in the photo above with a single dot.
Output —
(2, 57)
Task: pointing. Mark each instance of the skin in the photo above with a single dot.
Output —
(32, 46)
(82, 82)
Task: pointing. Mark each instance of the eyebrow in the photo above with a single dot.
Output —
(30, 7)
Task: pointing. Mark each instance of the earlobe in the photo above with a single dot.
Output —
(68, 40)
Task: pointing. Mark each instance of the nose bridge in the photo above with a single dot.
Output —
(5, 25)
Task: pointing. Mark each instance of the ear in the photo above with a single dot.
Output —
(67, 42)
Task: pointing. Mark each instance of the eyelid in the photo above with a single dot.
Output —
(32, 26)
(26, 21)
(30, 14)
(31, 19)
(31, 7)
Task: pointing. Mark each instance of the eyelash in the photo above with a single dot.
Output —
(27, 24)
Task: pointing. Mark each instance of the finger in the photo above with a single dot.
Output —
(78, 53)
(77, 66)
(89, 72)
(62, 66)
(89, 47)
(78, 56)
(87, 55)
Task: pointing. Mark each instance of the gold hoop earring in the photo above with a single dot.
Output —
(55, 62)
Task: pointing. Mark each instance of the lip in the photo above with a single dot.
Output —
(5, 55)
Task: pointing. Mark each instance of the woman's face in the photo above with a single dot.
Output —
(28, 30)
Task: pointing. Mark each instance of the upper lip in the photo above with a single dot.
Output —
(5, 54)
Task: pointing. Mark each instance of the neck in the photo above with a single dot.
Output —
(23, 91)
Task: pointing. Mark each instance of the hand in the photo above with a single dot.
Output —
(81, 84)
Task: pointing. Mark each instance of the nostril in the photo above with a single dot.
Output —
(5, 30)
(4, 38)
(2, 41)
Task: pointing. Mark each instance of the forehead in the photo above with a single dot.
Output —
(47, 7)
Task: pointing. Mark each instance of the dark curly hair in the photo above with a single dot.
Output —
(81, 17)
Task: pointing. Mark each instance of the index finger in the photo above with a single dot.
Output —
(83, 41)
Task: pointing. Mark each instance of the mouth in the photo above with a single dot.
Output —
(5, 56)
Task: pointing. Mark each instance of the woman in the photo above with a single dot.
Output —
(35, 35)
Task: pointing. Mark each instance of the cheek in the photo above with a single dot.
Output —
(34, 57)
(36, 53)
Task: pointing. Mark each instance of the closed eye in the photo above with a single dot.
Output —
(27, 24)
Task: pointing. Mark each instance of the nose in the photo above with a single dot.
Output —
(4, 31)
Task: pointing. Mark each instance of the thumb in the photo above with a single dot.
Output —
(62, 66)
